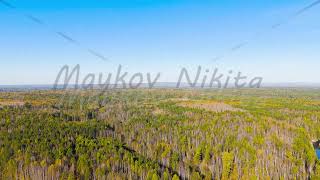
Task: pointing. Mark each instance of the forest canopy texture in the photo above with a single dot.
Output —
(160, 134)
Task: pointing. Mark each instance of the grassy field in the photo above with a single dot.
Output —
(160, 134)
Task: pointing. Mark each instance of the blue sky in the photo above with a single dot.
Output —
(159, 36)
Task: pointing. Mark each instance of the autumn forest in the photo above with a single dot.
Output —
(160, 134)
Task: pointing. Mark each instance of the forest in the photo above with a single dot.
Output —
(160, 134)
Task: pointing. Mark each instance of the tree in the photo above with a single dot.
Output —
(175, 177)
(196, 176)
(155, 176)
(11, 169)
(227, 161)
(165, 175)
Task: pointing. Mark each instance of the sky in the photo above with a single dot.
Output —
(151, 36)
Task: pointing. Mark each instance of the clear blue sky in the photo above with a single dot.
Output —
(159, 36)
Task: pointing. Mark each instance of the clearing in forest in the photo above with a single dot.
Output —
(11, 103)
(209, 105)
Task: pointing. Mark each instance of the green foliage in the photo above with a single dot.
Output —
(227, 162)
(175, 177)
(155, 176)
(316, 174)
(198, 155)
(196, 176)
(166, 175)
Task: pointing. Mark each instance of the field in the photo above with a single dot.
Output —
(160, 134)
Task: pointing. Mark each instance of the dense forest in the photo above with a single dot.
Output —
(160, 134)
